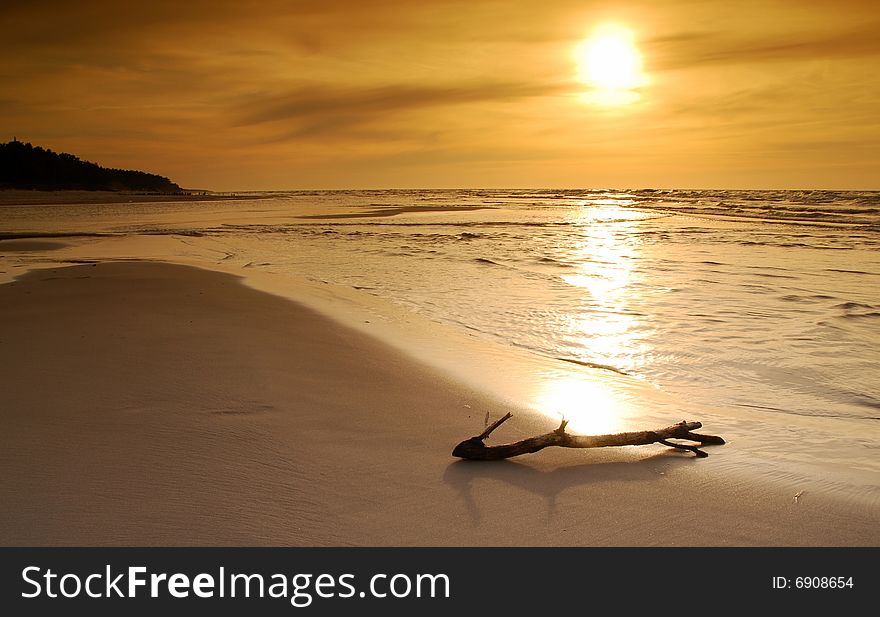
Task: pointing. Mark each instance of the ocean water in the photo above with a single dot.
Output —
(744, 302)
(767, 300)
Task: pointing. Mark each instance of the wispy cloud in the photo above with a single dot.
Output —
(690, 49)
(318, 111)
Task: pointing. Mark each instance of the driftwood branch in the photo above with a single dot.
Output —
(475, 449)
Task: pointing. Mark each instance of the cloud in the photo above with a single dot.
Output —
(317, 110)
(690, 49)
(270, 85)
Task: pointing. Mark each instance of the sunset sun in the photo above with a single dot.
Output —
(609, 62)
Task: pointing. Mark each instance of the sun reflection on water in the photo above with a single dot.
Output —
(608, 330)
(607, 326)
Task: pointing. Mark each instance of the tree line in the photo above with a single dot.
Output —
(25, 166)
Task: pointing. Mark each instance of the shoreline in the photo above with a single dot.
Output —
(154, 403)
(790, 454)
(36, 197)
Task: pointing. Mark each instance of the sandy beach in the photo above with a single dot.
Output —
(149, 403)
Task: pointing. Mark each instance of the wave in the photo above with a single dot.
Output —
(855, 306)
(808, 298)
(555, 262)
(871, 315)
(851, 271)
(595, 365)
(36, 235)
(483, 260)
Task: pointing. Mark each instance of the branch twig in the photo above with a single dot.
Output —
(475, 449)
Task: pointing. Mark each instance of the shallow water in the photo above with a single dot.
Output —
(737, 301)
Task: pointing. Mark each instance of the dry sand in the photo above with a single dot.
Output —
(157, 404)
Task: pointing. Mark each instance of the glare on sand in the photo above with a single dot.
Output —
(609, 62)
(590, 406)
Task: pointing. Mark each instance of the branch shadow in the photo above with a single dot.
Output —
(462, 474)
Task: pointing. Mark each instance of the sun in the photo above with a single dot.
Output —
(609, 62)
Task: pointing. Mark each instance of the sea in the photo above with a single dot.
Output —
(762, 307)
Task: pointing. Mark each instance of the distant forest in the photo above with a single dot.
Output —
(24, 166)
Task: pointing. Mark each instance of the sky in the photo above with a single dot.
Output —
(272, 95)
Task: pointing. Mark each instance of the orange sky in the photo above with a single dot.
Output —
(448, 93)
